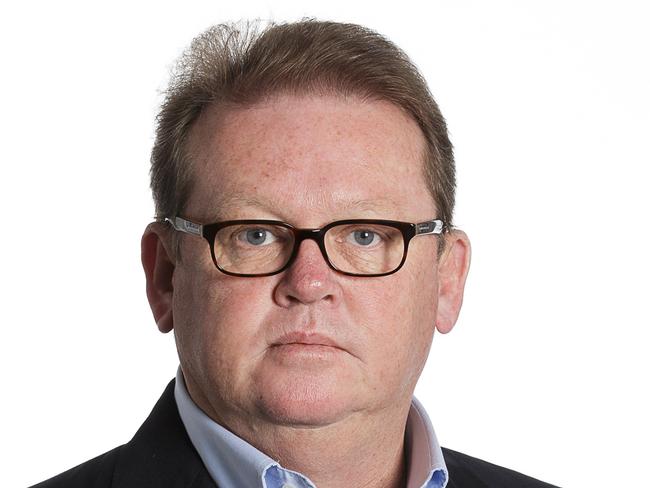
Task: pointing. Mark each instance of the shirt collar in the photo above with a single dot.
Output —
(231, 461)
(426, 465)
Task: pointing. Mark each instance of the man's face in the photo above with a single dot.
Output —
(308, 346)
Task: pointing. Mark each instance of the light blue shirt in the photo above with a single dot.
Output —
(234, 463)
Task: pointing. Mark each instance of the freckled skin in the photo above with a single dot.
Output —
(308, 157)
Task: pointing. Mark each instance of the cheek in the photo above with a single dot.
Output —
(398, 319)
(398, 305)
(192, 320)
(216, 323)
(421, 304)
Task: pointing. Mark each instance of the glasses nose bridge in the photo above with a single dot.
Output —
(316, 235)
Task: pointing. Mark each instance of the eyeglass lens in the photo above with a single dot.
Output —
(266, 248)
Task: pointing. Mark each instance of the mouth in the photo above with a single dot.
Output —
(307, 351)
(306, 344)
(305, 339)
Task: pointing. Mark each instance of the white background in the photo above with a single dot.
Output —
(548, 107)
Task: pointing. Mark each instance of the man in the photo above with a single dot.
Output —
(303, 254)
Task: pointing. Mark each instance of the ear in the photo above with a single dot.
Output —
(452, 272)
(159, 270)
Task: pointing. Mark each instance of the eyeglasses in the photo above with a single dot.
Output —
(358, 247)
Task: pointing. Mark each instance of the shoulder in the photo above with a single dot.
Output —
(467, 471)
(95, 473)
(160, 454)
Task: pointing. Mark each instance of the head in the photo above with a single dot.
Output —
(306, 123)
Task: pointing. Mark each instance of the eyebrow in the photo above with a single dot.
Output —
(226, 205)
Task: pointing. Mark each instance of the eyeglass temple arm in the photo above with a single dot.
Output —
(186, 226)
(430, 227)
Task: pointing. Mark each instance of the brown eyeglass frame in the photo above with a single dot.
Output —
(209, 232)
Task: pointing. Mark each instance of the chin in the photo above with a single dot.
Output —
(305, 401)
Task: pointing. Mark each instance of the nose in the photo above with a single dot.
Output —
(308, 280)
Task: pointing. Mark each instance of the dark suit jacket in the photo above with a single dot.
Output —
(161, 455)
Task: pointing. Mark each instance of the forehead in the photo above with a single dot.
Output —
(318, 157)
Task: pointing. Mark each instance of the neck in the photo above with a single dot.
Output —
(366, 453)
(361, 450)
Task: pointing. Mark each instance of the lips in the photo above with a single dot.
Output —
(305, 339)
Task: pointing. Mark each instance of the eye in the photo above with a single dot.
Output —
(257, 237)
(364, 237)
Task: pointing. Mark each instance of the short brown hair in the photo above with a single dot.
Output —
(243, 64)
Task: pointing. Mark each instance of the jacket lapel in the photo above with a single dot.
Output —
(161, 454)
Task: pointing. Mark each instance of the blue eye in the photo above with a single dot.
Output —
(364, 237)
(259, 237)
(256, 236)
